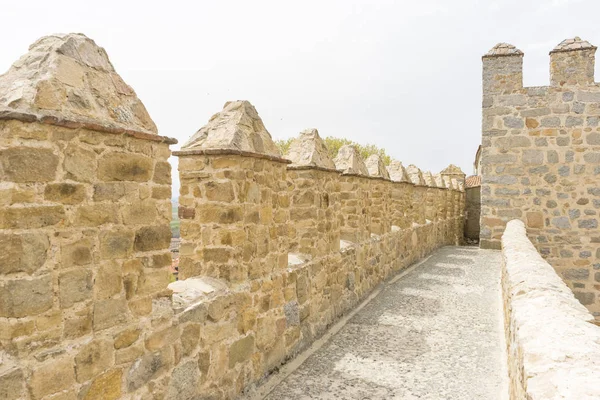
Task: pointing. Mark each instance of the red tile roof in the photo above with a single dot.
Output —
(473, 181)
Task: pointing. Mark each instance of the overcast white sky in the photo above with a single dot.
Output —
(404, 75)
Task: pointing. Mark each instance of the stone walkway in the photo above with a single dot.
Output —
(435, 333)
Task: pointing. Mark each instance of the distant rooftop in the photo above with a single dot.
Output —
(473, 181)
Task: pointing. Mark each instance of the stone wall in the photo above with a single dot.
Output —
(553, 344)
(84, 224)
(279, 251)
(271, 252)
(541, 160)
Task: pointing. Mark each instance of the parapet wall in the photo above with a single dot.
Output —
(541, 160)
(301, 243)
(553, 345)
(272, 252)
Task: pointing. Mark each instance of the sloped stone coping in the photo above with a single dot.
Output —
(229, 152)
(188, 292)
(575, 44)
(297, 259)
(295, 167)
(553, 345)
(49, 119)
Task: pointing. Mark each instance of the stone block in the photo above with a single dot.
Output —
(108, 281)
(146, 368)
(152, 282)
(162, 173)
(126, 338)
(80, 163)
(190, 337)
(78, 324)
(150, 238)
(592, 158)
(23, 253)
(219, 191)
(106, 386)
(51, 377)
(74, 286)
(533, 157)
(96, 215)
(587, 223)
(184, 382)
(28, 164)
(220, 214)
(217, 254)
(162, 338)
(113, 191)
(585, 298)
(108, 313)
(26, 297)
(241, 350)
(12, 384)
(129, 354)
(161, 192)
(117, 243)
(77, 253)
(65, 193)
(139, 213)
(93, 358)
(31, 217)
(576, 274)
(125, 167)
(292, 313)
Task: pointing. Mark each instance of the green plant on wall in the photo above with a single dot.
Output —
(333, 146)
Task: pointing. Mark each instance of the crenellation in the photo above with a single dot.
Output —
(376, 167)
(572, 63)
(538, 157)
(502, 70)
(415, 175)
(273, 250)
(349, 161)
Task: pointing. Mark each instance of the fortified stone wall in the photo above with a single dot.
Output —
(553, 343)
(294, 242)
(273, 249)
(541, 160)
(84, 224)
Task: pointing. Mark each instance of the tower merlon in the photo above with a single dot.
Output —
(502, 69)
(572, 63)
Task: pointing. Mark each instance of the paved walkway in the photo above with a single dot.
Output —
(435, 333)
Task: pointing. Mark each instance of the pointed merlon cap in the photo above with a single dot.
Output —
(71, 78)
(349, 161)
(458, 185)
(453, 170)
(415, 175)
(503, 50)
(448, 182)
(573, 44)
(429, 180)
(309, 149)
(376, 167)
(398, 172)
(439, 181)
(236, 127)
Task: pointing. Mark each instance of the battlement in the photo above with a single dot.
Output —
(540, 151)
(571, 64)
(273, 247)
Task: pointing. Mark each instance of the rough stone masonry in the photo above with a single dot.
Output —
(541, 160)
(273, 249)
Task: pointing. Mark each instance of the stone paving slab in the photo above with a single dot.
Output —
(436, 333)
